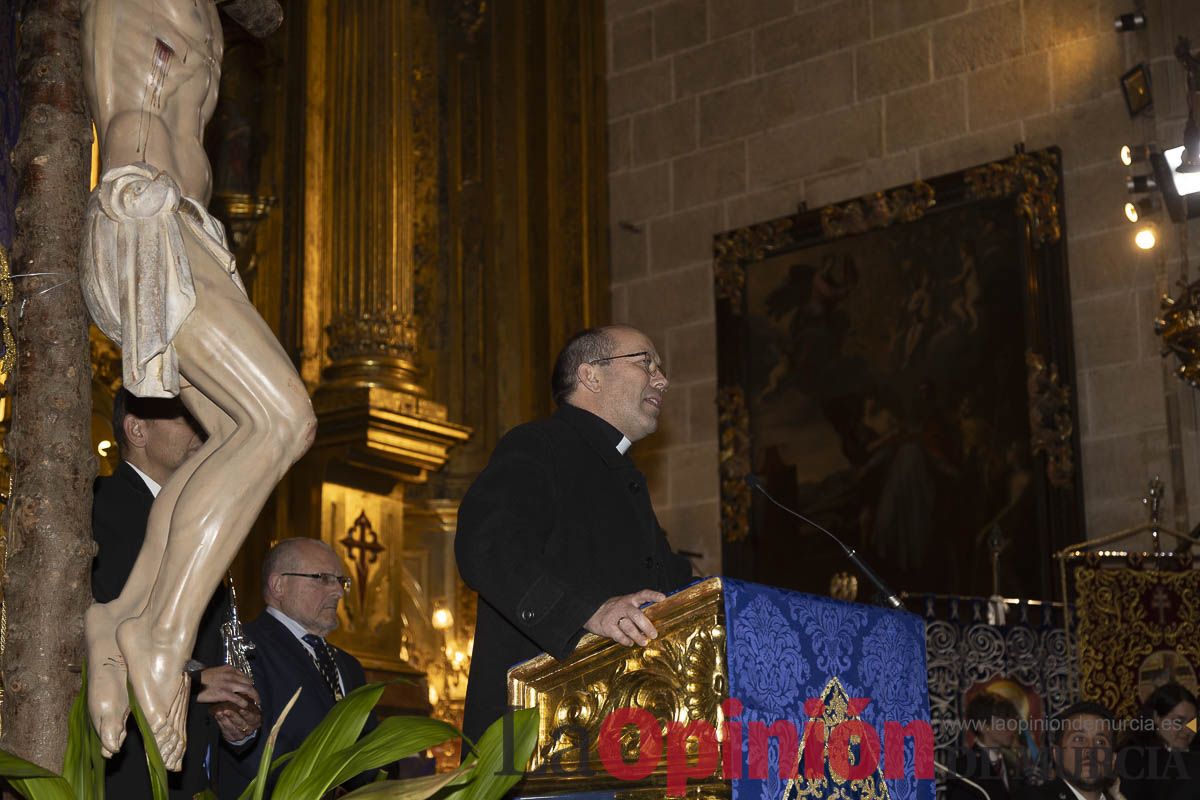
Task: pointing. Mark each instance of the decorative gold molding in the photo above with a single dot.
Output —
(1051, 424)
(877, 210)
(678, 677)
(1033, 178)
(106, 360)
(6, 298)
(735, 248)
(1179, 327)
(733, 419)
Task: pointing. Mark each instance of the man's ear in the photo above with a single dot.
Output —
(135, 431)
(588, 377)
(274, 584)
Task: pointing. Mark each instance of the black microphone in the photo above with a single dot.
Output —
(889, 596)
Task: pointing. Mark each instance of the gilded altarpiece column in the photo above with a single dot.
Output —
(371, 171)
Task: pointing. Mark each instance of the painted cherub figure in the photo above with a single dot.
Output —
(160, 281)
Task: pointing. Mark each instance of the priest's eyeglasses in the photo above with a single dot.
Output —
(647, 363)
(326, 578)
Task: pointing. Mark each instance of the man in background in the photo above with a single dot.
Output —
(303, 583)
(154, 436)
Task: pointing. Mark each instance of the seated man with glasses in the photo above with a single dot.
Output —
(303, 584)
(558, 534)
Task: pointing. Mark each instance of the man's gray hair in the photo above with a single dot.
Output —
(285, 557)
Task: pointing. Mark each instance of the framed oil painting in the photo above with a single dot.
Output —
(899, 369)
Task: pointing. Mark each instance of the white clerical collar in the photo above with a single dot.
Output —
(623, 445)
(151, 484)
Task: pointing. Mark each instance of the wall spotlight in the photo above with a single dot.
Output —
(1140, 184)
(1134, 154)
(1146, 238)
(1128, 23)
(1135, 86)
(1141, 209)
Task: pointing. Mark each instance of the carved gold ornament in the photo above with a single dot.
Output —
(1033, 178)
(1051, 425)
(735, 248)
(733, 420)
(877, 210)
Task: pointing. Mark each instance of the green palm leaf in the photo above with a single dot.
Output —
(395, 738)
(32, 781)
(313, 764)
(259, 784)
(154, 762)
(411, 788)
(493, 777)
(83, 763)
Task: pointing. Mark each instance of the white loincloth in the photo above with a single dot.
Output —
(135, 273)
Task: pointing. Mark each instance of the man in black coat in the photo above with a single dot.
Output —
(1082, 742)
(557, 534)
(303, 583)
(154, 436)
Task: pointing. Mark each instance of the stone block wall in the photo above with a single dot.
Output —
(724, 113)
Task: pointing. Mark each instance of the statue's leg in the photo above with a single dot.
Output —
(108, 692)
(233, 361)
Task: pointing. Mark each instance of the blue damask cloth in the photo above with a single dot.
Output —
(9, 121)
(784, 648)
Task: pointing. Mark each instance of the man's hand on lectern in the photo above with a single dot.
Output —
(620, 619)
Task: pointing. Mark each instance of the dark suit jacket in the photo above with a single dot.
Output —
(281, 664)
(975, 764)
(1050, 790)
(558, 522)
(1155, 773)
(120, 511)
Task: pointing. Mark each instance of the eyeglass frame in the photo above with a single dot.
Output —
(324, 577)
(654, 370)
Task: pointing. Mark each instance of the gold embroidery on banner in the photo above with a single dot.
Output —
(836, 711)
(1123, 617)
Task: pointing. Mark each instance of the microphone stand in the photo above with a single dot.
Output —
(947, 771)
(888, 595)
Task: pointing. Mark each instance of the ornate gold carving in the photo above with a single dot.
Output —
(1179, 327)
(6, 298)
(362, 550)
(735, 248)
(1051, 425)
(241, 214)
(106, 360)
(835, 711)
(1123, 617)
(877, 210)
(372, 334)
(470, 15)
(734, 459)
(1033, 178)
(678, 677)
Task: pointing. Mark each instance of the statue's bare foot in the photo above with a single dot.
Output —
(159, 683)
(107, 693)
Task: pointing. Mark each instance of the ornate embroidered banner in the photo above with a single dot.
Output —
(1136, 629)
(1027, 661)
(853, 674)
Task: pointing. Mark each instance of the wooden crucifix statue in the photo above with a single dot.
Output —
(160, 281)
